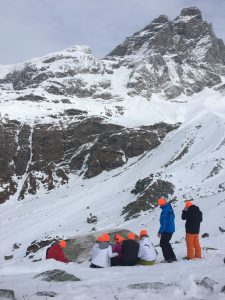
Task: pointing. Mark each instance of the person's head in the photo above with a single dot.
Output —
(99, 239)
(161, 202)
(121, 239)
(105, 237)
(188, 204)
(131, 236)
(143, 232)
(62, 244)
(117, 238)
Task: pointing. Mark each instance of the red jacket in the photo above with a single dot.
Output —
(56, 252)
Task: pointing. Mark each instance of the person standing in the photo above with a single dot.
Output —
(166, 230)
(193, 217)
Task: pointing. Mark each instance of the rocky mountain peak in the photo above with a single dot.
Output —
(191, 11)
(173, 57)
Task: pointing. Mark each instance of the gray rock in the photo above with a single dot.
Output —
(207, 283)
(7, 294)
(57, 276)
(148, 200)
(158, 286)
(8, 257)
(47, 294)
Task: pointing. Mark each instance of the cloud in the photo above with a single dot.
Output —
(31, 28)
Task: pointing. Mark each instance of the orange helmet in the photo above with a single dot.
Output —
(188, 204)
(161, 202)
(99, 239)
(143, 232)
(105, 237)
(131, 236)
(62, 244)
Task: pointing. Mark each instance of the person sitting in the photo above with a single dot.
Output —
(116, 261)
(129, 250)
(147, 253)
(56, 251)
(103, 253)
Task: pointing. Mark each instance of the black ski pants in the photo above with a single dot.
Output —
(167, 249)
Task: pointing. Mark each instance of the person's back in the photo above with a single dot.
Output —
(56, 252)
(193, 217)
(102, 254)
(129, 251)
(147, 253)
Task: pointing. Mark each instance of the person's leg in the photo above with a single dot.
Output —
(164, 244)
(190, 245)
(146, 263)
(197, 247)
(170, 249)
(115, 261)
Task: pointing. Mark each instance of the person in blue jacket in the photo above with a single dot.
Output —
(166, 230)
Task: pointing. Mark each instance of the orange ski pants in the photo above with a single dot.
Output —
(193, 246)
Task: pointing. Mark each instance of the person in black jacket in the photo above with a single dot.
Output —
(193, 217)
(129, 251)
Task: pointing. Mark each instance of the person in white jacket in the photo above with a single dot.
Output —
(101, 254)
(147, 253)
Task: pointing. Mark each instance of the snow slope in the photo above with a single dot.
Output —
(197, 173)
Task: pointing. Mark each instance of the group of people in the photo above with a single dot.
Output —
(140, 250)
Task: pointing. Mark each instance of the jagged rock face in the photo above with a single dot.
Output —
(172, 57)
(45, 154)
(167, 57)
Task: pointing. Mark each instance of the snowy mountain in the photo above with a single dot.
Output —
(89, 145)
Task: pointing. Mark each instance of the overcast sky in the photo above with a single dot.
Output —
(32, 28)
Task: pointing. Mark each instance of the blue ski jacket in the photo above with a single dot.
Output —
(167, 219)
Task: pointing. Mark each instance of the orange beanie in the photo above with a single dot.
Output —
(105, 237)
(161, 202)
(143, 232)
(62, 244)
(131, 236)
(188, 204)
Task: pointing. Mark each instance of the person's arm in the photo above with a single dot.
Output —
(140, 250)
(111, 254)
(163, 221)
(184, 214)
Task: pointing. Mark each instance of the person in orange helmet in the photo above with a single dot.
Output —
(56, 251)
(147, 253)
(117, 248)
(129, 250)
(193, 217)
(103, 254)
(166, 230)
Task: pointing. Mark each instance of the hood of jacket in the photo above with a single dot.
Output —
(103, 245)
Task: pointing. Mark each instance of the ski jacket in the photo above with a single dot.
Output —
(193, 217)
(130, 252)
(56, 252)
(146, 250)
(167, 219)
(101, 255)
(117, 249)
